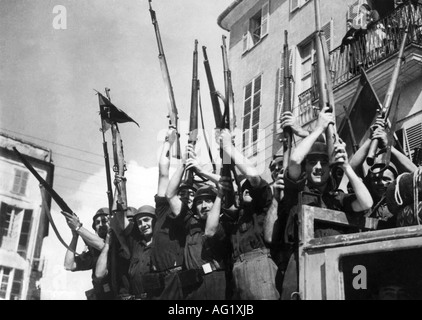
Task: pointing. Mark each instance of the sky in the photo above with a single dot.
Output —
(47, 81)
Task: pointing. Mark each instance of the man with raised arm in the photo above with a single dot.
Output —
(309, 171)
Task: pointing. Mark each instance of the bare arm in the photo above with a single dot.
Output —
(173, 186)
(91, 239)
(164, 163)
(363, 197)
(213, 218)
(242, 163)
(287, 120)
(101, 269)
(299, 154)
(69, 259)
(270, 222)
(192, 163)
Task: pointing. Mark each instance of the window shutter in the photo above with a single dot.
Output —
(265, 19)
(294, 4)
(327, 29)
(414, 136)
(25, 233)
(245, 39)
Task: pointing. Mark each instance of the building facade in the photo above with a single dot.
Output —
(23, 221)
(257, 35)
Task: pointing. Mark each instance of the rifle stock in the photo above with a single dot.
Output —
(384, 112)
(173, 113)
(287, 103)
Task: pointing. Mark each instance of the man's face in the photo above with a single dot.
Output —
(102, 223)
(145, 225)
(186, 195)
(349, 25)
(317, 170)
(380, 181)
(203, 206)
(276, 169)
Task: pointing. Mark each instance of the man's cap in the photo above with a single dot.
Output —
(277, 158)
(187, 186)
(146, 211)
(382, 166)
(101, 212)
(366, 6)
(318, 148)
(131, 212)
(206, 191)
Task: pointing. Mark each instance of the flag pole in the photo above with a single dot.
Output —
(107, 161)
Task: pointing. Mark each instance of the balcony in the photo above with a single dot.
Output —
(376, 52)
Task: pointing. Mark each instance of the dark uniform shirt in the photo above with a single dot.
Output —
(247, 233)
(88, 261)
(200, 249)
(140, 260)
(169, 237)
(330, 199)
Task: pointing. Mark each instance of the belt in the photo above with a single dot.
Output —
(208, 268)
(171, 270)
(253, 254)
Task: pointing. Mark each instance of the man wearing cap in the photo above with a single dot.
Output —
(309, 171)
(139, 238)
(120, 265)
(167, 251)
(207, 250)
(253, 269)
(88, 259)
(381, 175)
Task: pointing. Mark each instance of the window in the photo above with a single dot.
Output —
(4, 281)
(10, 226)
(17, 285)
(25, 233)
(11, 281)
(251, 116)
(20, 182)
(256, 27)
(296, 4)
(308, 57)
(411, 138)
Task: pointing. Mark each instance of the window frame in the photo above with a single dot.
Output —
(250, 136)
(263, 16)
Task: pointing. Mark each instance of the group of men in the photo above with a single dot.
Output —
(219, 240)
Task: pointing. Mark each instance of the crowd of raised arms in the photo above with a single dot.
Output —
(236, 237)
(192, 246)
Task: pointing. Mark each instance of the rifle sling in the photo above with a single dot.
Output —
(53, 225)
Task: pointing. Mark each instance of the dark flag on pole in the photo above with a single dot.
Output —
(362, 112)
(110, 113)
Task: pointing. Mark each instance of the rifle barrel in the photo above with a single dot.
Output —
(173, 113)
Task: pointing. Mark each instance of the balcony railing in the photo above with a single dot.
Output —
(379, 42)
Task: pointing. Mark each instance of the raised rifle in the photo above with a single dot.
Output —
(173, 114)
(193, 120)
(228, 122)
(60, 202)
(214, 94)
(384, 112)
(325, 86)
(287, 103)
